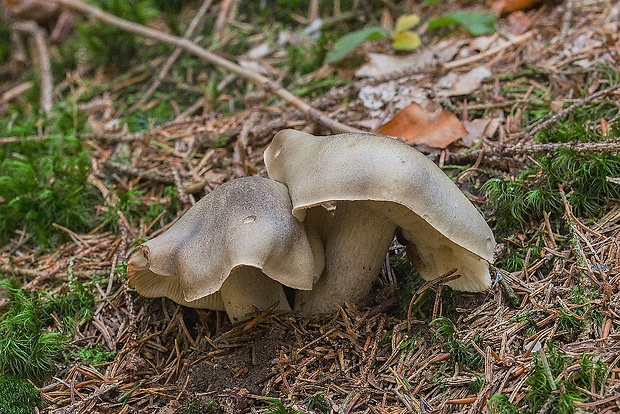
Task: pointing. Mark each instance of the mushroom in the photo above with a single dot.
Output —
(233, 250)
(378, 184)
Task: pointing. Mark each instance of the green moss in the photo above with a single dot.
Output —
(201, 406)
(75, 303)
(475, 386)
(30, 341)
(43, 183)
(27, 348)
(462, 354)
(537, 190)
(568, 387)
(318, 403)
(96, 355)
(18, 396)
(275, 406)
(499, 404)
(5, 43)
(303, 59)
(512, 258)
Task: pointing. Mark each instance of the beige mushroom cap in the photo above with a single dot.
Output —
(245, 222)
(409, 189)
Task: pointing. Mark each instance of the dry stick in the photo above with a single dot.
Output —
(222, 17)
(471, 59)
(445, 278)
(570, 109)
(173, 57)
(580, 147)
(14, 92)
(149, 175)
(40, 40)
(77, 406)
(373, 352)
(253, 76)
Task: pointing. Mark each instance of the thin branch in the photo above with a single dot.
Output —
(255, 77)
(612, 146)
(475, 58)
(14, 92)
(570, 109)
(40, 41)
(77, 406)
(148, 175)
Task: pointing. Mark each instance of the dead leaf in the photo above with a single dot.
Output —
(457, 85)
(519, 22)
(417, 126)
(479, 128)
(509, 6)
(475, 130)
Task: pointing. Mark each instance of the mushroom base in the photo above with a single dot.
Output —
(355, 249)
(248, 289)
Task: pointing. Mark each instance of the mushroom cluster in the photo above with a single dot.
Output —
(233, 250)
(238, 246)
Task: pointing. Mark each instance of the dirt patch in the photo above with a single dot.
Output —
(249, 362)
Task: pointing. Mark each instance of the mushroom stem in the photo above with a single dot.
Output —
(248, 289)
(354, 252)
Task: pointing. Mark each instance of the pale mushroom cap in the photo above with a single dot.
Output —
(245, 222)
(357, 166)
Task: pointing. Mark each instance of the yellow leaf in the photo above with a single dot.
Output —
(406, 22)
(405, 40)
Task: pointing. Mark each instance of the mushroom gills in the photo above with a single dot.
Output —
(248, 289)
(153, 285)
(357, 242)
(432, 254)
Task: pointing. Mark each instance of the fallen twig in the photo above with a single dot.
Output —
(40, 40)
(14, 92)
(76, 406)
(570, 109)
(253, 76)
(471, 59)
(532, 149)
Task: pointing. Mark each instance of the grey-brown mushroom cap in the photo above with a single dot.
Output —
(359, 166)
(244, 222)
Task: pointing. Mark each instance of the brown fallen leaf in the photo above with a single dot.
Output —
(519, 22)
(417, 126)
(509, 6)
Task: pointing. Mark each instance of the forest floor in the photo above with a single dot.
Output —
(544, 338)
